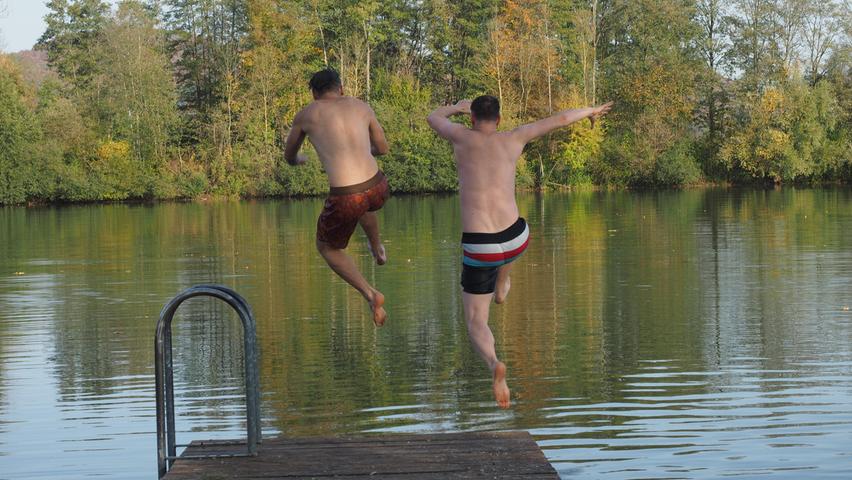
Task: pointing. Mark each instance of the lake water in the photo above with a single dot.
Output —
(694, 334)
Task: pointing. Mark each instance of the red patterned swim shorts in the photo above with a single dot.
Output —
(346, 205)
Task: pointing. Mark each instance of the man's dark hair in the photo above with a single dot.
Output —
(485, 107)
(324, 80)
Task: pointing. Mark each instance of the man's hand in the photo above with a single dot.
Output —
(294, 142)
(300, 159)
(462, 106)
(439, 119)
(599, 111)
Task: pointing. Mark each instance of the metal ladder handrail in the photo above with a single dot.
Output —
(164, 374)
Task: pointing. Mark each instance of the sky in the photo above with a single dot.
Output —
(22, 24)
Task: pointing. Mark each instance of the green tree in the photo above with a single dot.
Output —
(137, 101)
(206, 38)
(68, 142)
(73, 30)
(754, 46)
(787, 133)
(418, 160)
(282, 53)
(651, 72)
(20, 173)
(712, 44)
(823, 24)
(459, 44)
(139, 93)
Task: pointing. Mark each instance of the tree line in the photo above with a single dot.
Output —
(186, 98)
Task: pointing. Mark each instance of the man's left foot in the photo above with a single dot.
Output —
(502, 291)
(378, 253)
(501, 390)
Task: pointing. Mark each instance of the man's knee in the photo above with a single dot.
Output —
(323, 247)
(476, 312)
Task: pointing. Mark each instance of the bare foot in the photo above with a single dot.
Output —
(377, 306)
(502, 291)
(501, 390)
(378, 253)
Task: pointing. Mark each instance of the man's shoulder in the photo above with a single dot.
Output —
(362, 106)
(305, 111)
(475, 135)
(354, 102)
(510, 137)
(465, 133)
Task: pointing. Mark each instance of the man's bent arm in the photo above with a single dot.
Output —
(531, 131)
(439, 119)
(294, 143)
(378, 142)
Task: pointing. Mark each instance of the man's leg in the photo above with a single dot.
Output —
(504, 283)
(370, 224)
(476, 309)
(344, 266)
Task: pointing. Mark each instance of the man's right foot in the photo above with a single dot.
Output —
(377, 306)
(501, 390)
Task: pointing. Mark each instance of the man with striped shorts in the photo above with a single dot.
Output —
(494, 232)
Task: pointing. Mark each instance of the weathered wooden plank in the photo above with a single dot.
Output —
(433, 456)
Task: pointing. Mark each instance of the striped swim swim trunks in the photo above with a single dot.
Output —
(484, 253)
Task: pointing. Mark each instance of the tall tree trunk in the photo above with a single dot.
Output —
(369, 51)
(549, 68)
(322, 33)
(594, 25)
(584, 58)
(498, 68)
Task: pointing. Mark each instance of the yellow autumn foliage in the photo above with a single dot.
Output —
(771, 100)
(114, 169)
(111, 151)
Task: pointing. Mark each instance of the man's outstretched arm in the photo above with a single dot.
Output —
(294, 143)
(531, 131)
(439, 119)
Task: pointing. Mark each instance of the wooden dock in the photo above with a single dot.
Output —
(511, 455)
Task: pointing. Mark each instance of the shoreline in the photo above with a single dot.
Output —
(214, 198)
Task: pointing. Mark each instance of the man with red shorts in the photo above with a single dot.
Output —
(346, 136)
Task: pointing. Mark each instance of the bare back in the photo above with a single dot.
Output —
(487, 159)
(341, 129)
(486, 163)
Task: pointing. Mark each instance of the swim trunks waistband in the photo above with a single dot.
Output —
(358, 187)
(506, 235)
(488, 250)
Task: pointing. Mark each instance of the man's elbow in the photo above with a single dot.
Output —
(430, 120)
(380, 149)
(292, 158)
